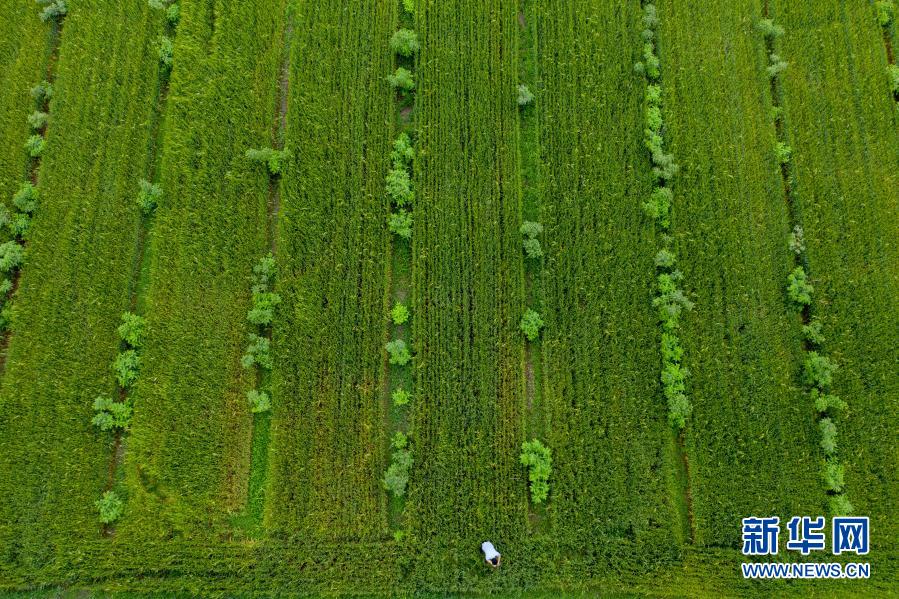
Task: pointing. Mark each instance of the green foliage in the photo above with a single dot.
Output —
(828, 436)
(19, 224)
(25, 200)
(264, 272)
(658, 206)
(812, 332)
(833, 476)
(397, 476)
(886, 12)
(399, 440)
(769, 29)
(126, 368)
(404, 42)
(259, 401)
(893, 74)
(664, 258)
(403, 153)
(399, 187)
(37, 120)
(670, 301)
(400, 397)
(273, 159)
(409, 6)
(402, 80)
(165, 52)
(12, 255)
(148, 196)
(54, 10)
(42, 92)
(400, 313)
(35, 146)
(799, 290)
(525, 96)
(111, 414)
(538, 459)
(258, 352)
(399, 352)
(171, 8)
(797, 240)
(530, 231)
(776, 66)
(400, 223)
(109, 507)
(817, 371)
(132, 330)
(531, 323)
(264, 304)
(783, 152)
(839, 505)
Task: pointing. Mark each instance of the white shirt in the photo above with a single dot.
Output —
(489, 550)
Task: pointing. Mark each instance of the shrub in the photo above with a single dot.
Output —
(664, 168)
(264, 272)
(400, 397)
(132, 330)
(769, 29)
(403, 153)
(817, 371)
(404, 42)
(671, 348)
(783, 152)
(37, 120)
(797, 240)
(776, 67)
(399, 187)
(532, 248)
(409, 6)
(799, 290)
(110, 507)
(531, 323)
(274, 160)
(400, 223)
(11, 256)
(19, 225)
(825, 402)
(35, 146)
(263, 311)
(399, 352)
(126, 368)
(259, 401)
(650, 19)
(525, 96)
(679, 409)
(42, 92)
(397, 475)
(840, 506)
(5, 288)
(885, 12)
(172, 11)
(812, 332)
(165, 52)
(111, 414)
(828, 436)
(401, 80)
(653, 94)
(258, 352)
(5, 318)
(670, 301)
(893, 74)
(400, 313)
(664, 258)
(26, 198)
(538, 459)
(54, 10)
(658, 206)
(531, 229)
(148, 196)
(399, 440)
(832, 473)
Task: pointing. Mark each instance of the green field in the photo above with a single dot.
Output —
(265, 436)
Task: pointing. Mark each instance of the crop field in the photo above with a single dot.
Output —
(312, 298)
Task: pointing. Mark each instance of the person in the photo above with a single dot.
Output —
(491, 554)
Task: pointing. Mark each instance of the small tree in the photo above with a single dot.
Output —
(165, 52)
(833, 476)
(25, 200)
(409, 6)
(37, 120)
(531, 323)
(538, 459)
(658, 206)
(886, 12)
(148, 196)
(664, 258)
(132, 330)
(776, 66)
(812, 332)
(11, 256)
(274, 160)
(817, 371)
(783, 152)
(400, 397)
(111, 414)
(828, 436)
(126, 368)
(263, 311)
(404, 42)
(109, 507)
(893, 74)
(400, 223)
(54, 10)
(531, 230)
(769, 29)
(403, 153)
(42, 92)
(397, 476)
(525, 96)
(400, 313)
(826, 403)
(401, 80)
(799, 290)
(35, 146)
(840, 506)
(259, 401)
(796, 241)
(399, 187)
(258, 352)
(399, 352)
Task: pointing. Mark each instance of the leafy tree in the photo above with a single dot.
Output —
(399, 440)
(165, 52)
(403, 153)
(400, 313)
(111, 414)
(259, 401)
(525, 96)
(825, 402)
(19, 225)
(397, 476)
(769, 29)
(679, 409)
(797, 240)
(400, 223)
(132, 330)
(172, 11)
(832, 473)
(658, 206)
(776, 66)
(274, 160)
(148, 196)
(409, 6)
(110, 507)
(538, 459)
(404, 42)
(37, 120)
(812, 332)
(54, 10)
(402, 80)
(399, 352)
(258, 352)
(828, 436)
(531, 230)
(799, 290)
(42, 92)
(886, 12)
(400, 397)
(264, 272)
(817, 371)
(11, 256)
(35, 146)
(840, 506)
(126, 368)
(671, 348)
(531, 323)
(783, 152)
(263, 311)
(664, 258)
(26, 198)
(893, 74)
(399, 187)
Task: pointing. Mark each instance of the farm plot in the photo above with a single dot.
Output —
(842, 125)
(467, 301)
(188, 454)
(607, 416)
(752, 439)
(328, 440)
(74, 285)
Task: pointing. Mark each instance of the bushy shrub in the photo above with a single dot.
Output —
(671, 348)
(840, 506)
(679, 410)
(11, 256)
(776, 66)
(19, 224)
(886, 12)
(769, 29)
(650, 65)
(109, 507)
(531, 323)
(397, 476)
(893, 74)
(825, 402)
(832, 473)
(165, 52)
(264, 272)
(126, 368)
(273, 159)
(111, 414)
(670, 300)
(399, 187)
(400, 313)
(402, 80)
(172, 11)
(525, 96)
(400, 397)
(35, 146)
(409, 6)
(812, 332)
(404, 42)
(25, 200)
(263, 311)
(828, 436)
(259, 401)
(5, 288)
(817, 371)
(37, 120)
(42, 92)
(664, 168)
(403, 153)
(399, 440)
(399, 352)
(258, 352)
(658, 206)
(54, 10)
(132, 330)
(664, 258)
(532, 248)
(797, 240)
(538, 459)
(148, 196)
(400, 223)
(783, 152)
(650, 18)
(799, 290)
